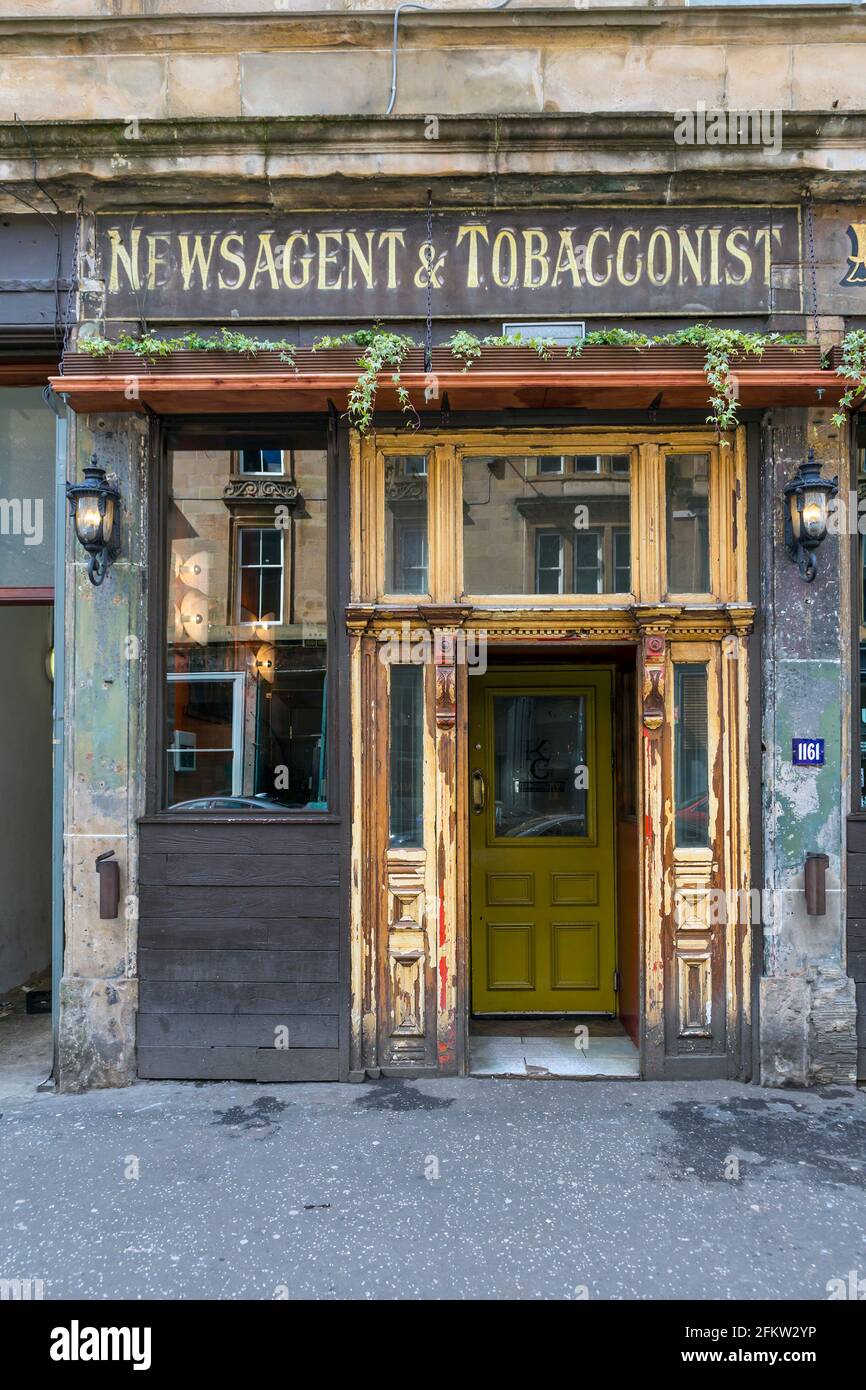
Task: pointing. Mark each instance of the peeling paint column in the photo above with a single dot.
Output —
(807, 1005)
(104, 775)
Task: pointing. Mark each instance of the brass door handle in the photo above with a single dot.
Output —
(479, 791)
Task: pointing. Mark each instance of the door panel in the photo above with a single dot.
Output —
(541, 832)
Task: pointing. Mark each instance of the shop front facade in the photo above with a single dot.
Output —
(459, 684)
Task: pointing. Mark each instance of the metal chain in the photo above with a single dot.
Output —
(810, 232)
(428, 339)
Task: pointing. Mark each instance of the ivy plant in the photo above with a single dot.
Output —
(853, 369)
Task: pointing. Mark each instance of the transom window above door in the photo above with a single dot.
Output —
(546, 524)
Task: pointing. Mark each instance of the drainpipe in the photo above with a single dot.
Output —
(58, 405)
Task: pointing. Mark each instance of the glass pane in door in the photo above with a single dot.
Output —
(539, 766)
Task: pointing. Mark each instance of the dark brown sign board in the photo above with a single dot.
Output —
(544, 263)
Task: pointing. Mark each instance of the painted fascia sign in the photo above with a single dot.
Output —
(807, 752)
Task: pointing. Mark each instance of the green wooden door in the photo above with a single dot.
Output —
(543, 935)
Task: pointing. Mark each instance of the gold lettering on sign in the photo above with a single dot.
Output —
(235, 258)
(327, 259)
(630, 234)
(155, 259)
(504, 238)
(265, 262)
(304, 261)
(392, 240)
(127, 259)
(660, 237)
(535, 243)
(739, 253)
(767, 235)
(593, 279)
(363, 259)
(473, 230)
(197, 259)
(691, 253)
(856, 272)
(715, 233)
(566, 259)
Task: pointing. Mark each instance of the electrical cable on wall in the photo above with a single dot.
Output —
(415, 5)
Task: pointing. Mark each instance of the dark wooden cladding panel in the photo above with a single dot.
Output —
(856, 870)
(309, 967)
(230, 870)
(237, 1030)
(238, 1064)
(856, 928)
(223, 837)
(194, 900)
(221, 997)
(239, 933)
(856, 835)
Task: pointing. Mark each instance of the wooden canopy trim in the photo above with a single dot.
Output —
(600, 378)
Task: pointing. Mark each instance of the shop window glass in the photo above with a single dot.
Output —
(246, 721)
(538, 743)
(406, 544)
(26, 489)
(691, 757)
(406, 757)
(546, 524)
(688, 523)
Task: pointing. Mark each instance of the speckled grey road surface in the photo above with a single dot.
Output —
(544, 1188)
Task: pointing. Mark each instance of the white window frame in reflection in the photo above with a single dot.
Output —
(238, 683)
(261, 472)
(259, 621)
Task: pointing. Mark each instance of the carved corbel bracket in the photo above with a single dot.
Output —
(653, 682)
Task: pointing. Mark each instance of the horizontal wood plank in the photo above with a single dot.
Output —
(237, 1030)
(857, 869)
(317, 967)
(241, 933)
(219, 997)
(230, 870)
(165, 900)
(237, 1064)
(236, 838)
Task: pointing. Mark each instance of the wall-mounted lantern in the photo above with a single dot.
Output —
(807, 498)
(94, 506)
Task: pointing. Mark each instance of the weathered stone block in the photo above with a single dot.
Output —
(825, 73)
(119, 87)
(634, 78)
(758, 78)
(784, 1044)
(97, 1033)
(204, 85)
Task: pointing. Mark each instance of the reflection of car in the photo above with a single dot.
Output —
(262, 803)
(561, 824)
(692, 818)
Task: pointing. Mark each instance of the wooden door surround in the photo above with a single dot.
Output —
(409, 918)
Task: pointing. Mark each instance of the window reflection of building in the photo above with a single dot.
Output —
(547, 524)
(406, 545)
(247, 652)
(688, 523)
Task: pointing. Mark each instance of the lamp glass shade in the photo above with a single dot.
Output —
(813, 522)
(92, 527)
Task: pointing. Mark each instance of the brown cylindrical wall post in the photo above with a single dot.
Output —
(814, 874)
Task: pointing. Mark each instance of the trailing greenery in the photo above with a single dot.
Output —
(383, 351)
(149, 347)
(853, 369)
(380, 351)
